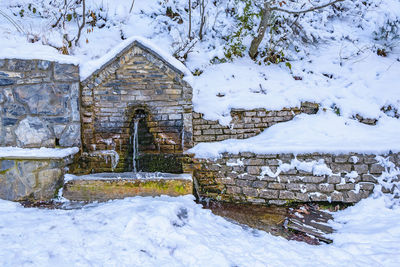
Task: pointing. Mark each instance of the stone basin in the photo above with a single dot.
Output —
(107, 186)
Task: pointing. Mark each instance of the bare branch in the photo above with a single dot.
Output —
(130, 10)
(305, 11)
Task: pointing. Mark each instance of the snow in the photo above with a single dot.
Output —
(88, 68)
(36, 153)
(23, 50)
(324, 132)
(166, 231)
(130, 175)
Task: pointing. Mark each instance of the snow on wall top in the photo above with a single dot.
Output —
(35, 51)
(36, 153)
(91, 67)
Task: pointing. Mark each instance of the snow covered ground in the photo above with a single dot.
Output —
(166, 231)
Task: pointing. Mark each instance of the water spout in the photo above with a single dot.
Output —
(135, 144)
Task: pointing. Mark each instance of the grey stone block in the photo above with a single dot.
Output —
(278, 202)
(250, 191)
(6, 164)
(318, 197)
(345, 187)
(255, 170)
(43, 64)
(314, 179)
(326, 188)
(66, 72)
(368, 178)
(286, 195)
(34, 132)
(361, 168)
(42, 99)
(269, 194)
(21, 65)
(278, 186)
(376, 168)
(334, 179)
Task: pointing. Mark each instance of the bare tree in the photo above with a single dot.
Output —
(190, 20)
(81, 26)
(202, 18)
(266, 17)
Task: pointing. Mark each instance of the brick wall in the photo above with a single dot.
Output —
(137, 79)
(247, 177)
(245, 123)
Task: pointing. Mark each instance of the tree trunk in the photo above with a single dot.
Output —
(190, 20)
(255, 43)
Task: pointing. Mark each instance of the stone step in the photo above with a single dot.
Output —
(107, 186)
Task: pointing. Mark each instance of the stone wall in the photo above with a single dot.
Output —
(284, 178)
(39, 104)
(245, 123)
(136, 81)
(31, 179)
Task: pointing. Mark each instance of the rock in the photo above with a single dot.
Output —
(6, 164)
(58, 130)
(33, 132)
(21, 65)
(66, 72)
(43, 64)
(14, 109)
(42, 99)
(5, 82)
(71, 136)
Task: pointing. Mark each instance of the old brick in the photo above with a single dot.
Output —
(254, 162)
(361, 168)
(341, 187)
(286, 195)
(334, 179)
(233, 190)
(243, 183)
(277, 186)
(369, 178)
(255, 170)
(341, 158)
(376, 168)
(260, 184)
(336, 196)
(367, 186)
(250, 191)
(340, 168)
(326, 188)
(318, 197)
(314, 179)
(269, 194)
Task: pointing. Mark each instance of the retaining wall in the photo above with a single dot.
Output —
(284, 178)
(245, 123)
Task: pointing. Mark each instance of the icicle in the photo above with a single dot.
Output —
(183, 139)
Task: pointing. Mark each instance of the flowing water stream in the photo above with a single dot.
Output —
(135, 144)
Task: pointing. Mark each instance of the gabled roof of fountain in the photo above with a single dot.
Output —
(93, 69)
